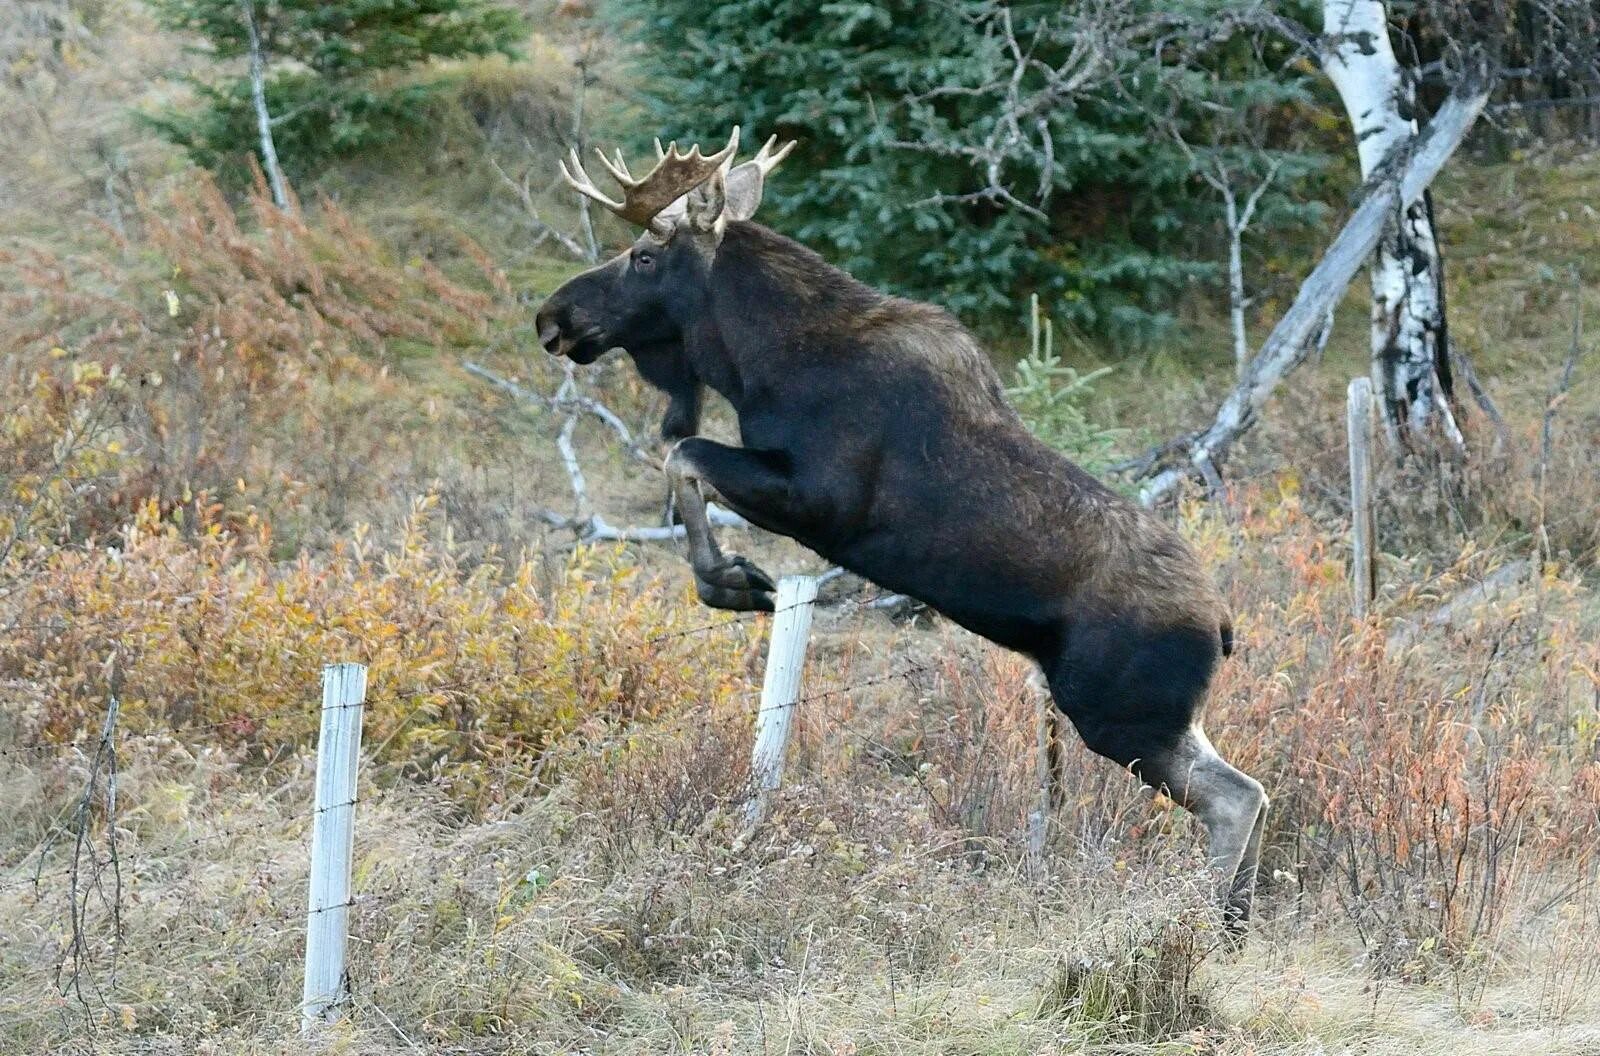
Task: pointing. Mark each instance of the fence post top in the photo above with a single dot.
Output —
(796, 590)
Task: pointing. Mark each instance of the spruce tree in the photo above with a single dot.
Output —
(335, 71)
(886, 95)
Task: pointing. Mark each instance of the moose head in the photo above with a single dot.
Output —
(644, 298)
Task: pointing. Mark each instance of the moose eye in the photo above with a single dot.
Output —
(644, 260)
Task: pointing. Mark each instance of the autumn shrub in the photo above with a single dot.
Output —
(201, 630)
(1427, 788)
(257, 351)
(58, 445)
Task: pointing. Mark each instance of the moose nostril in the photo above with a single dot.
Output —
(549, 334)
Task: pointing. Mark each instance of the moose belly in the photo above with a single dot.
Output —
(1009, 610)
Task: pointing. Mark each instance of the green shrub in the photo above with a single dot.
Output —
(1050, 396)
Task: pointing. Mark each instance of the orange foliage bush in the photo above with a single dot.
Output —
(256, 361)
(1429, 792)
(1430, 787)
(204, 629)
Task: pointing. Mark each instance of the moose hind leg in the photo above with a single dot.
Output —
(1230, 803)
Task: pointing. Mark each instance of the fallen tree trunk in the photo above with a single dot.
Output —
(1398, 182)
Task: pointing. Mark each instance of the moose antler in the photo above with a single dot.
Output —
(643, 199)
(766, 158)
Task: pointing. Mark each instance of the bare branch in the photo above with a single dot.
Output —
(565, 399)
(525, 195)
(1025, 90)
(586, 524)
(87, 871)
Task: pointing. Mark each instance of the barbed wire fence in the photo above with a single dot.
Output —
(86, 847)
(89, 854)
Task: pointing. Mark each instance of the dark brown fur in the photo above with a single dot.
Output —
(875, 431)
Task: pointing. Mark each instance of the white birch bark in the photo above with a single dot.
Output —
(1410, 364)
(258, 97)
(1415, 165)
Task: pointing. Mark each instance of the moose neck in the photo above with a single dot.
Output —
(773, 302)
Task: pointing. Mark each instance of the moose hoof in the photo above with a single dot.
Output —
(735, 584)
(737, 573)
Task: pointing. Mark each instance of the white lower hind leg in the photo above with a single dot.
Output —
(1231, 805)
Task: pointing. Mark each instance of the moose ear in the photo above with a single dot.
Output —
(746, 181)
(744, 190)
(706, 205)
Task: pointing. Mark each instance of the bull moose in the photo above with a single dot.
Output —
(875, 431)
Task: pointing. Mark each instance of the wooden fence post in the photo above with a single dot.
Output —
(1047, 776)
(333, 831)
(1363, 524)
(780, 690)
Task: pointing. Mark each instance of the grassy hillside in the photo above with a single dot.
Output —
(240, 444)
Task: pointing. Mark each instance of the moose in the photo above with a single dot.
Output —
(875, 431)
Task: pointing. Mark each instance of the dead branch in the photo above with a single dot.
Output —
(566, 398)
(1025, 90)
(87, 872)
(541, 228)
(1495, 584)
(1400, 180)
(1480, 396)
(585, 524)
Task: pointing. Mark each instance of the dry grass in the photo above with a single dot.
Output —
(1429, 889)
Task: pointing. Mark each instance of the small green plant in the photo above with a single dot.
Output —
(1050, 396)
(1136, 980)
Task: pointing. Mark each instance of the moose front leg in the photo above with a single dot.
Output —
(752, 482)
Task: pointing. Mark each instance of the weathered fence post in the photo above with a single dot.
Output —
(333, 832)
(1047, 776)
(780, 690)
(1363, 525)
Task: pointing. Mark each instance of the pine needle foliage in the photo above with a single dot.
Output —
(1050, 395)
(341, 75)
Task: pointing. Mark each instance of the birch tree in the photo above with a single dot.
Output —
(258, 102)
(1410, 339)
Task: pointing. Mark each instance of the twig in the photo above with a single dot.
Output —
(1463, 366)
(1026, 90)
(541, 227)
(80, 889)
